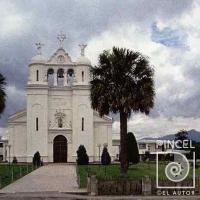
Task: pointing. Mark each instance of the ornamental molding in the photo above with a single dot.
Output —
(60, 121)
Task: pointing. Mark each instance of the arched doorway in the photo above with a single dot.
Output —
(60, 149)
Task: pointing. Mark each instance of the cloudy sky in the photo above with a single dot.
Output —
(167, 31)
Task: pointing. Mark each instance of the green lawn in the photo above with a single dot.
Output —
(112, 172)
(13, 172)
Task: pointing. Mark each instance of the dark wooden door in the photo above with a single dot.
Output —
(60, 149)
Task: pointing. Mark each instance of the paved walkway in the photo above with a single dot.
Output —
(49, 178)
(62, 196)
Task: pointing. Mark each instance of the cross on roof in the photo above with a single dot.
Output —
(39, 46)
(82, 46)
(61, 37)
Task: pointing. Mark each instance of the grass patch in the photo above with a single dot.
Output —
(112, 172)
(12, 172)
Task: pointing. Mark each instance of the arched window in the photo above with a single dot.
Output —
(82, 124)
(36, 124)
(70, 72)
(50, 78)
(37, 75)
(82, 76)
(70, 76)
(60, 75)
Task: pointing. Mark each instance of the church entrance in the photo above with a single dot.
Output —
(60, 149)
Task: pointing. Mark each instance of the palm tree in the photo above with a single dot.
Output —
(2, 93)
(122, 83)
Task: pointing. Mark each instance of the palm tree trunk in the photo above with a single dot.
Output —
(123, 144)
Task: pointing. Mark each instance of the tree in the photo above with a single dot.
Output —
(133, 152)
(82, 157)
(146, 156)
(122, 83)
(105, 157)
(181, 136)
(14, 160)
(2, 93)
(37, 159)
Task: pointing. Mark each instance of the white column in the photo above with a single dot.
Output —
(55, 79)
(74, 79)
(45, 78)
(65, 78)
(68, 80)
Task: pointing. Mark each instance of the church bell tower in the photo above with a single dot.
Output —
(37, 107)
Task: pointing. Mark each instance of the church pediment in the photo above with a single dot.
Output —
(104, 119)
(60, 57)
(18, 117)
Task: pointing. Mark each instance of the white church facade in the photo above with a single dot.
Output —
(58, 116)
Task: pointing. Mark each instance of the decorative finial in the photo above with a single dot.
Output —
(61, 37)
(82, 46)
(39, 46)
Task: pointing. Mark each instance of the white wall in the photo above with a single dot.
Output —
(37, 106)
(103, 136)
(82, 108)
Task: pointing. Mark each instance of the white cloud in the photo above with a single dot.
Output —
(143, 126)
(3, 131)
(174, 88)
(167, 73)
(19, 96)
(12, 91)
(12, 22)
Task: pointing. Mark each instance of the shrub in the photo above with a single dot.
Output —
(37, 159)
(82, 157)
(133, 152)
(146, 156)
(169, 157)
(105, 157)
(14, 160)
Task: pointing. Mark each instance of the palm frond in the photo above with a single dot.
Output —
(123, 80)
(2, 93)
